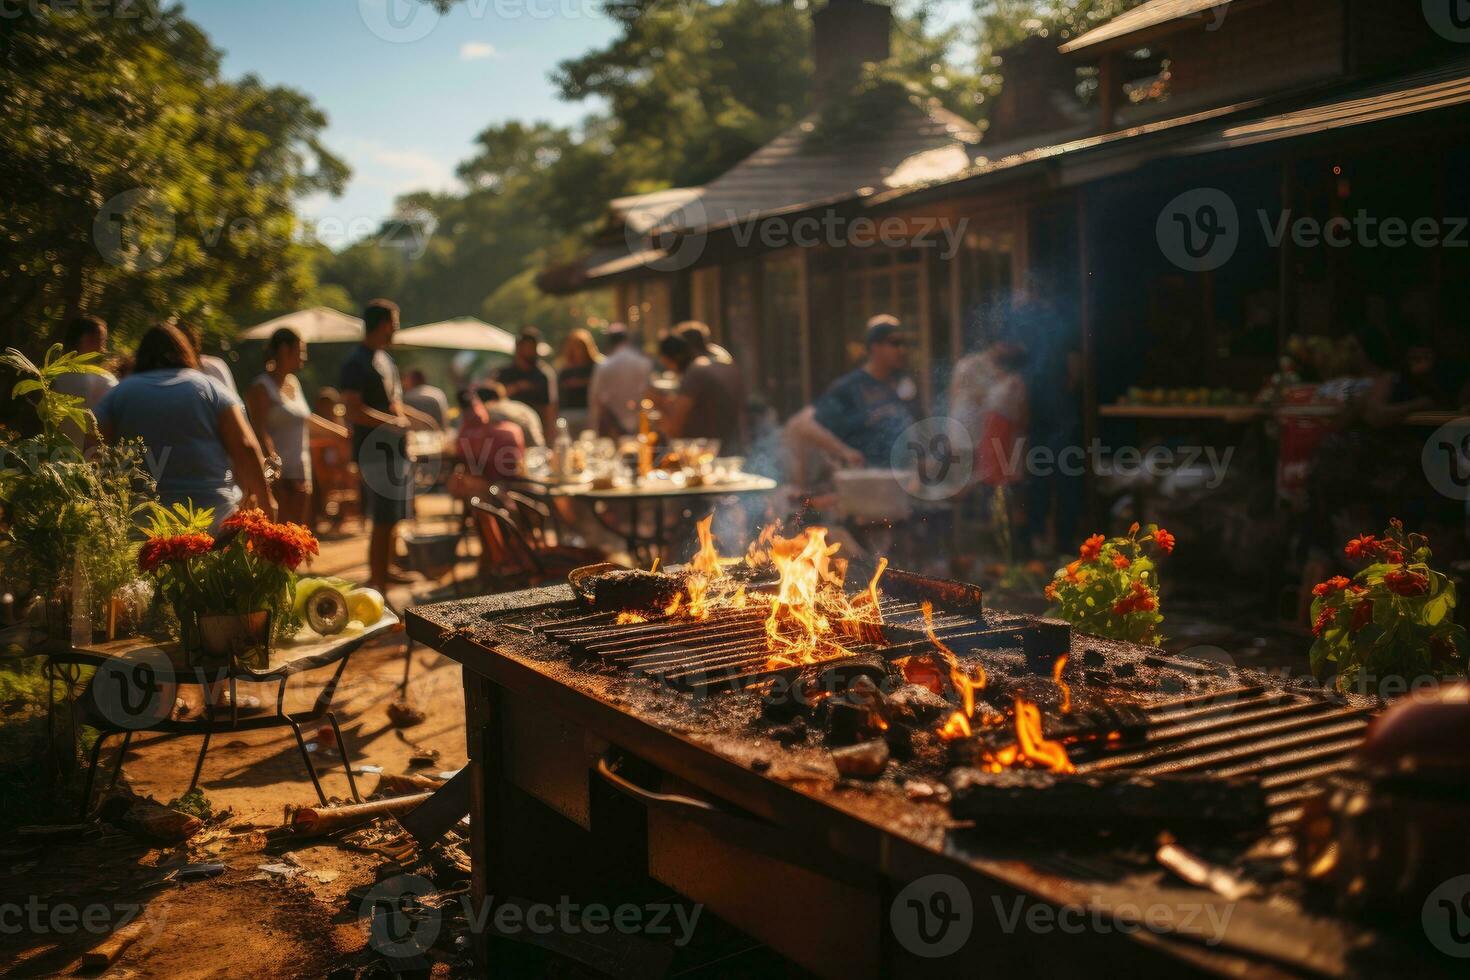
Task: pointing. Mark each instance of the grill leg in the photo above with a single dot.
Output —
(121, 754)
(92, 774)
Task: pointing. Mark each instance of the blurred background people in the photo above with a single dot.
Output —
(617, 384)
(85, 335)
(199, 446)
(579, 359)
(215, 367)
(491, 447)
(425, 398)
(710, 402)
(372, 394)
(528, 379)
(283, 422)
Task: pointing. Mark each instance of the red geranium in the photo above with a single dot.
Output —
(1165, 541)
(1092, 547)
(159, 551)
(282, 544)
(1335, 584)
(1406, 583)
(1362, 614)
(1121, 561)
(1362, 547)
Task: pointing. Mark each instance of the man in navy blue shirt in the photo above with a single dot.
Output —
(862, 415)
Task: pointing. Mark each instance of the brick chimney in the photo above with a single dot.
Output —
(1038, 91)
(845, 34)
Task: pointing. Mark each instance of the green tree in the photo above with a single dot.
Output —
(141, 184)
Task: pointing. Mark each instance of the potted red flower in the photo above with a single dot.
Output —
(1112, 589)
(230, 591)
(1393, 619)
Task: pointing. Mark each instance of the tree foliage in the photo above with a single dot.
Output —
(141, 184)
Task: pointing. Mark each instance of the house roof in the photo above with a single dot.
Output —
(1239, 125)
(1155, 13)
(797, 170)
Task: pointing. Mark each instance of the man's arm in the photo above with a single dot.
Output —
(804, 430)
(245, 458)
(359, 413)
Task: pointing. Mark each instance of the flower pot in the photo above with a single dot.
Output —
(233, 639)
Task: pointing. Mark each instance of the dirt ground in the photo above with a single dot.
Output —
(294, 918)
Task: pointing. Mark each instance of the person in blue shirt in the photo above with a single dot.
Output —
(862, 415)
(197, 443)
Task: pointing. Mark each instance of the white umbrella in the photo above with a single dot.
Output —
(320, 325)
(465, 333)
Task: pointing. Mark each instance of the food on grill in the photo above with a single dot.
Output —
(633, 590)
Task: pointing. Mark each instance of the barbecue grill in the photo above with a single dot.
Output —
(615, 758)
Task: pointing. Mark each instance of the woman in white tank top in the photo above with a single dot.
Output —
(282, 417)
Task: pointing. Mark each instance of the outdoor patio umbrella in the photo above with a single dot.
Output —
(319, 325)
(465, 333)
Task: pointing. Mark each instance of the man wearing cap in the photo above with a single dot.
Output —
(529, 380)
(862, 415)
(618, 383)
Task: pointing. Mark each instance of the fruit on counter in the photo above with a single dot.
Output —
(365, 606)
(326, 611)
(322, 602)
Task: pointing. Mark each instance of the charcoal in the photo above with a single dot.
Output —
(1099, 677)
(865, 760)
(1044, 641)
(630, 589)
(864, 691)
(900, 739)
(839, 674)
(850, 721)
(1107, 801)
(1093, 657)
(918, 702)
(793, 733)
(785, 702)
(1125, 669)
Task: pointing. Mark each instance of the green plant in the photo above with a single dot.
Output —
(64, 507)
(1111, 590)
(250, 567)
(1393, 619)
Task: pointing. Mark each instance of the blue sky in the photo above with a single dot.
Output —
(406, 90)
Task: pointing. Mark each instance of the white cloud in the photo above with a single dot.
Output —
(476, 51)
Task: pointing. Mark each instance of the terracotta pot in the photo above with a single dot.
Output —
(233, 639)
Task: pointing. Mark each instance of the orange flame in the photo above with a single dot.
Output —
(739, 599)
(1032, 748)
(958, 725)
(1056, 678)
(705, 568)
(630, 618)
(798, 630)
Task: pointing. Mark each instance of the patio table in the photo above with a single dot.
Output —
(655, 495)
(133, 692)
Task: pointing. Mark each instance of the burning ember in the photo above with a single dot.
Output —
(1031, 749)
